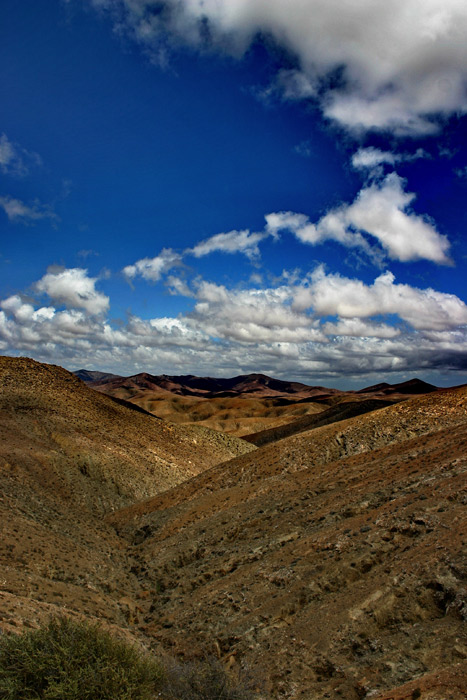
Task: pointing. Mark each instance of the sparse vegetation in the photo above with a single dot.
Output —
(205, 680)
(69, 660)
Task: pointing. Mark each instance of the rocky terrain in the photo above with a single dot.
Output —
(332, 562)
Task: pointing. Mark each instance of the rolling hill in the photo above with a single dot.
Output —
(243, 405)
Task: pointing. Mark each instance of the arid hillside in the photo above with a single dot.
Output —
(257, 385)
(115, 453)
(67, 456)
(238, 416)
(237, 406)
(333, 560)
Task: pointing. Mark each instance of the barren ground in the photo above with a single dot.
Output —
(332, 561)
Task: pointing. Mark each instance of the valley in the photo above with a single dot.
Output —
(326, 552)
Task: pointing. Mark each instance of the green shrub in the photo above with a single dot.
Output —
(69, 660)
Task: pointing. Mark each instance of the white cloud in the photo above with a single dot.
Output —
(371, 158)
(252, 315)
(358, 328)
(283, 330)
(231, 242)
(75, 289)
(402, 63)
(380, 210)
(178, 286)
(15, 160)
(332, 227)
(19, 212)
(423, 309)
(152, 269)
(295, 85)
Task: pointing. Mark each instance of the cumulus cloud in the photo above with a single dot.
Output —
(252, 315)
(75, 289)
(15, 160)
(152, 269)
(401, 64)
(283, 330)
(381, 210)
(358, 328)
(19, 212)
(331, 227)
(423, 309)
(231, 242)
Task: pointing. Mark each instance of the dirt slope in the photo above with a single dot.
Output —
(51, 421)
(337, 578)
(236, 416)
(68, 455)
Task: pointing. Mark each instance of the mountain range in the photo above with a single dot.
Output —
(240, 405)
(245, 385)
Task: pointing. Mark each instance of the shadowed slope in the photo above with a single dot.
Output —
(331, 415)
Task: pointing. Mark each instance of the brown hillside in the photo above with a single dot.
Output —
(338, 412)
(244, 405)
(258, 385)
(332, 562)
(337, 578)
(87, 439)
(233, 415)
(68, 455)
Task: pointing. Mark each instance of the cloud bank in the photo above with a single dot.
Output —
(316, 327)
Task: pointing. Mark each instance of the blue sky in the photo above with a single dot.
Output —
(223, 187)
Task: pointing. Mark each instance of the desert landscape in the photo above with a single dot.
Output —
(233, 350)
(324, 551)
